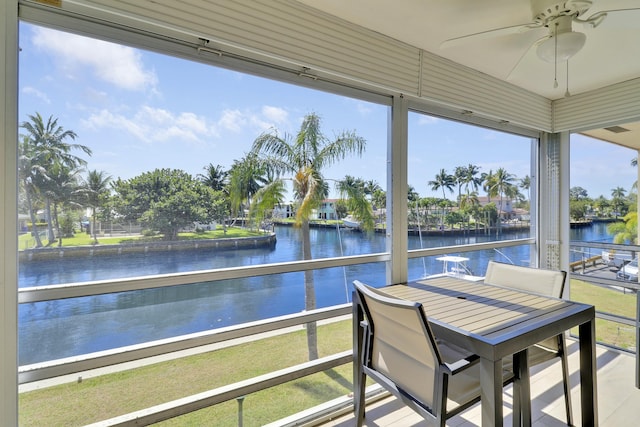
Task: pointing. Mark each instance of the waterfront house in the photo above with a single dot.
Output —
(327, 210)
(387, 53)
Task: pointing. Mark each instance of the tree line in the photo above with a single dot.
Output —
(54, 179)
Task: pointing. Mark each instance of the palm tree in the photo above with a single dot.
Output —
(214, 177)
(459, 176)
(471, 180)
(487, 179)
(44, 146)
(29, 160)
(627, 231)
(412, 194)
(618, 195)
(304, 157)
(502, 185)
(443, 181)
(246, 177)
(96, 188)
(469, 204)
(525, 184)
(62, 189)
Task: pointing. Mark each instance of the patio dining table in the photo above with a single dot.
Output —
(496, 322)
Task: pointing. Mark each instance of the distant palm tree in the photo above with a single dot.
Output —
(42, 147)
(502, 185)
(215, 177)
(471, 180)
(412, 194)
(96, 189)
(62, 189)
(459, 176)
(443, 181)
(525, 184)
(618, 194)
(246, 177)
(305, 157)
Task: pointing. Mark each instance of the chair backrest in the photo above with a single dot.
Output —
(535, 280)
(402, 346)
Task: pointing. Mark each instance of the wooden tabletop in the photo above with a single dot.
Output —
(493, 321)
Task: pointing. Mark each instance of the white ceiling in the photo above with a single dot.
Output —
(610, 55)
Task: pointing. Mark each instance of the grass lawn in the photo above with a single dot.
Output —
(100, 398)
(608, 301)
(26, 241)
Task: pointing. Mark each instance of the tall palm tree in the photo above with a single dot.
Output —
(487, 182)
(525, 184)
(501, 186)
(471, 180)
(29, 160)
(304, 157)
(62, 189)
(459, 176)
(618, 194)
(246, 177)
(43, 146)
(96, 188)
(443, 181)
(412, 194)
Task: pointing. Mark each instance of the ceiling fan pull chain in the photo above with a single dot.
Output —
(566, 93)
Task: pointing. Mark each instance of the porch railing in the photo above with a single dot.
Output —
(589, 250)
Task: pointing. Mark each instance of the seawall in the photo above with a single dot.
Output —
(268, 241)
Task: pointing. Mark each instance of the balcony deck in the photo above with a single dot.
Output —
(618, 399)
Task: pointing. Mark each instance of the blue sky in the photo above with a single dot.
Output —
(139, 110)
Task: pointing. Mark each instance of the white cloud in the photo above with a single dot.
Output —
(424, 119)
(28, 90)
(116, 64)
(233, 120)
(155, 124)
(275, 114)
(268, 119)
(150, 124)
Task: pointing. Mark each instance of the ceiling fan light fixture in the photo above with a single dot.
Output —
(568, 44)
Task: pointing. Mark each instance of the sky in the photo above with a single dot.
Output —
(138, 110)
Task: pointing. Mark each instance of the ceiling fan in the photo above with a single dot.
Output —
(561, 42)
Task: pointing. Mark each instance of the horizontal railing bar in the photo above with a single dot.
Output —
(443, 250)
(615, 318)
(209, 398)
(603, 245)
(85, 362)
(604, 281)
(82, 289)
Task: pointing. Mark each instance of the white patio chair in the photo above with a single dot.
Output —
(542, 282)
(400, 352)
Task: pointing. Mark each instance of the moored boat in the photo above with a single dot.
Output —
(456, 266)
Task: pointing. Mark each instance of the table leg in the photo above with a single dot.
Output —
(588, 386)
(521, 390)
(491, 393)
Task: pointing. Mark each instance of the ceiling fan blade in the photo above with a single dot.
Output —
(514, 29)
(529, 49)
(598, 17)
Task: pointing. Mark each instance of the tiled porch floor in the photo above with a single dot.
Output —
(618, 399)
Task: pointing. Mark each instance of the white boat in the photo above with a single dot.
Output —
(351, 222)
(456, 266)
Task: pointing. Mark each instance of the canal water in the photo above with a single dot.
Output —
(63, 328)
